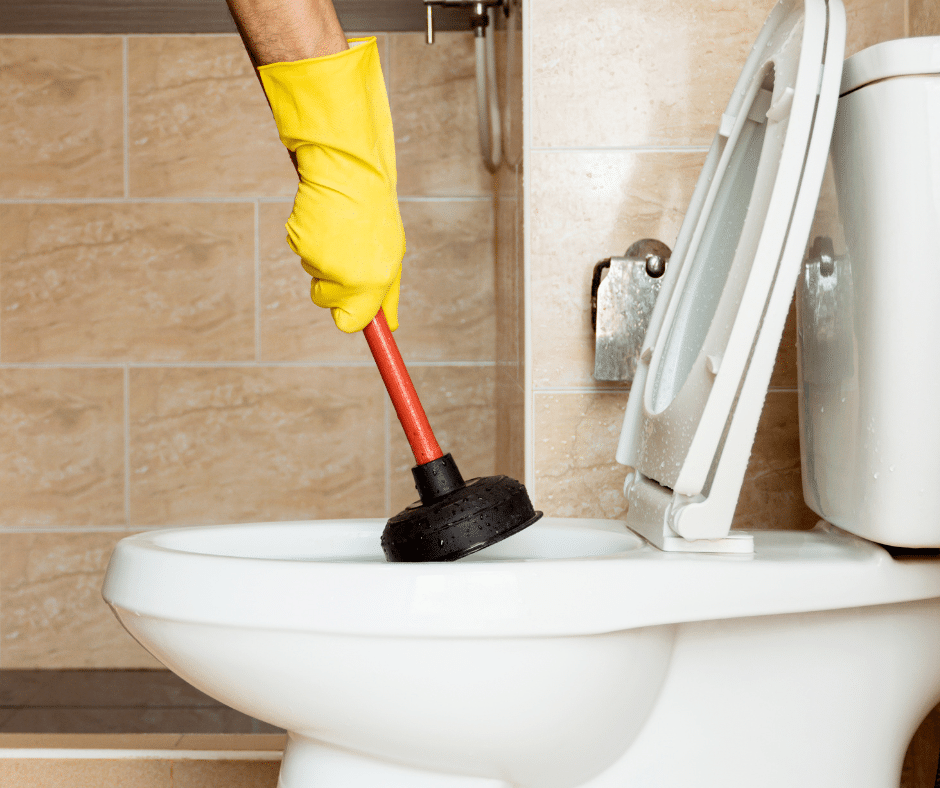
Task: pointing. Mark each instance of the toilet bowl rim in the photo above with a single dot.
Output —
(792, 572)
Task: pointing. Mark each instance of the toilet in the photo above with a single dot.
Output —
(669, 649)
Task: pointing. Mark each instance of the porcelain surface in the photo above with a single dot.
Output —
(470, 674)
(559, 577)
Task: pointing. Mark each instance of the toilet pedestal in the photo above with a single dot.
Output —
(311, 764)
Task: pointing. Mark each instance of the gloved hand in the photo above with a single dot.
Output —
(332, 112)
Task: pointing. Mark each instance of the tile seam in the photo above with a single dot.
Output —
(622, 149)
(222, 199)
(445, 198)
(126, 200)
(579, 390)
(228, 364)
(626, 390)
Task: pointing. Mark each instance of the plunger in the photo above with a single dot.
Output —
(453, 518)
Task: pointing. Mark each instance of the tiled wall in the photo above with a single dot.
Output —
(160, 361)
(618, 129)
(924, 17)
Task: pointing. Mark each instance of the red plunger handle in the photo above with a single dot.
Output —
(401, 390)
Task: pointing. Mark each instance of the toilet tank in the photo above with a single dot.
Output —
(868, 305)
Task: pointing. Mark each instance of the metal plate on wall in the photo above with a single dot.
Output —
(622, 304)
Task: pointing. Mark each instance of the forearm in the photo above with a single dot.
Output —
(277, 31)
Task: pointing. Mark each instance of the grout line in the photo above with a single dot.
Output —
(240, 200)
(230, 364)
(257, 285)
(126, 200)
(625, 390)
(458, 198)
(622, 149)
(127, 447)
(124, 101)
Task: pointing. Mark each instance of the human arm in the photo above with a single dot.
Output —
(332, 113)
(280, 31)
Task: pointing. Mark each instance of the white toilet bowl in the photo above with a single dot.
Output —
(571, 654)
(668, 650)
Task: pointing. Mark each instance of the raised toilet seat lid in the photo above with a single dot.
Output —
(709, 351)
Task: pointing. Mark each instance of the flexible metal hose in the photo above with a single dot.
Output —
(490, 125)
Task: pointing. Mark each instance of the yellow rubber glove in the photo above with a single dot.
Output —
(332, 113)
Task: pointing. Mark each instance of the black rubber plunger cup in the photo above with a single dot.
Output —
(454, 518)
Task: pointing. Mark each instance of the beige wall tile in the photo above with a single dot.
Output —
(292, 328)
(61, 130)
(635, 73)
(52, 614)
(433, 99)
(53, 773)
(587, 206)
(772, 493)
(62, 456)
(199, 125)
(255, 444)
(670, 85)
(447, 310)
(871, 21)
(130, 282)
(924, 17)
(576, 438)
(461, 407)
(785, 368)
(225, 774)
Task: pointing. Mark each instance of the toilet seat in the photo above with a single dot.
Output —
(710, 347)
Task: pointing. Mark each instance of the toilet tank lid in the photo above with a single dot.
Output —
(901, 58)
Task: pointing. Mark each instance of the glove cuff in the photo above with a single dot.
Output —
(332, 100)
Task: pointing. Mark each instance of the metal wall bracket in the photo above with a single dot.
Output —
(479, 17)
(621, 305)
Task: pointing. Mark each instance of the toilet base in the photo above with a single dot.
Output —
(311, 764)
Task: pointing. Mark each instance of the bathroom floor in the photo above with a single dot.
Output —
(113, 701)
